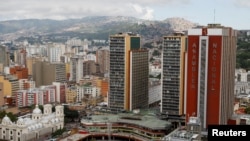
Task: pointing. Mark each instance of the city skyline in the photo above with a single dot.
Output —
(201, 12)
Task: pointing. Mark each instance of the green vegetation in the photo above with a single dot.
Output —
(12, 117)
(87, 84)
(58, 132)
(243, 53)
(247, 110)
(70, 115)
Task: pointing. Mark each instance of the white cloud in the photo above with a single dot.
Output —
(62, 9)
(143, 12)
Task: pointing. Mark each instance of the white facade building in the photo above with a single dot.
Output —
(154, 94)
(76, 68)
(39, 50)
(91, 57)
(55, 51)
(33, 126)
(241, 75)
(89, 91)
(155, 68)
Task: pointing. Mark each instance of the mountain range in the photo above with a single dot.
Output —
(93, 26)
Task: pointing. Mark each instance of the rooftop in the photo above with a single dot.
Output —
(143, 119)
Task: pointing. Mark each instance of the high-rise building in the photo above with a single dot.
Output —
(173, 70)
(76, 68)
(55, 51)
(20, 57)
(210, 74)
(44, 73)
(30, 61)
(128, 89)
(4, 57)
(90, 67)
(102, 58)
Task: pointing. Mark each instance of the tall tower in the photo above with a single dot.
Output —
(102, 58)
(173, 70)
(128, 87)
(76, 68)
(210, 74)
(20, 57)
(4, 57)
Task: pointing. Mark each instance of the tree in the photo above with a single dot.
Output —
(70, 114)
(12, 117)
(58, 132)
(247, 110)
(2, 114)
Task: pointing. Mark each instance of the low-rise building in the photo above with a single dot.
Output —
(34, 126)
(144, 125)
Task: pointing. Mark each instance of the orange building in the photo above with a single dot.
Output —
(104, 88)
(19, 72)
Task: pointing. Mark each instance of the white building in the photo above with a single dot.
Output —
(241, 88)
(55, 51)
(88, 91)
(74, 42)
(33, 126)
(248, 33)
(91, 57)
(154, 94)
(32, 50)
(155, 68)
(241, 75)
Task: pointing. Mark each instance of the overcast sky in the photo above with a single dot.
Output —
(234, 13)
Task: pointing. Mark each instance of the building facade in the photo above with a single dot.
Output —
(20, 72)
(126, 58)
(173, 70)
(55, 51)
(25, 84)
(154, 92)
(4, 57)
(76, 68)
(102, 58)
(210, 74)
(8, 86)
(44, 73)
(33, 126)
(90, 67)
